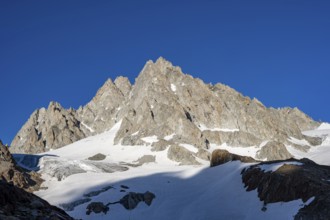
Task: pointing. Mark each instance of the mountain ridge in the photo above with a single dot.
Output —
(165, 101)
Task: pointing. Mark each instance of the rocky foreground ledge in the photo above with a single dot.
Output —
(16, 200)
(17, 204)
(284, 181)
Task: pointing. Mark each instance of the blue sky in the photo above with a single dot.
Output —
(277, 51)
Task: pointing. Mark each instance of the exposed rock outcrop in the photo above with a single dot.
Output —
(222, 156)
(97, 157)
(15, 200)
(47, 129)
(284, 181)
(293, 179)
(181, 155)
(104, 110)
(164, 101)
(16, 203)
(132, 199)
(10, 172)
(129, 201)
(273, 150)
(96, 207)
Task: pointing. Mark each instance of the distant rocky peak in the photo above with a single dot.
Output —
(165, 65)
(154, 80)
(54, 106)
(47, 129)
(166, 102)
(107, 87)
(160, 69)
(123, 84)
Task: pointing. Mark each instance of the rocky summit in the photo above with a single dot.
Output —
(175, 109)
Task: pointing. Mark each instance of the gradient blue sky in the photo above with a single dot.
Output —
(277, 51)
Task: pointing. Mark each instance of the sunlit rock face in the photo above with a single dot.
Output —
(174, 107)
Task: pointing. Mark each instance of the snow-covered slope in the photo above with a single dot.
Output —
(320, 154)
(182, 192)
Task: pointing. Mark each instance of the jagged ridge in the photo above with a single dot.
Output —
(166, 102)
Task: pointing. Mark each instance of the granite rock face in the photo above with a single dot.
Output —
(103, 111)
(173, 106)
(273, 150)
(47, 129)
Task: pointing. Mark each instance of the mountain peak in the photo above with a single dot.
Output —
(161, 61)
(161, 67)
(54, 106)
(162, 102)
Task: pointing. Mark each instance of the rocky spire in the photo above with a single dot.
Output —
(48, 129)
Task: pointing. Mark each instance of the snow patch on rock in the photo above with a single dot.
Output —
(275, 166)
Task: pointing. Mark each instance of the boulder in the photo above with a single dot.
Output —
(97, 157)
(223, 156)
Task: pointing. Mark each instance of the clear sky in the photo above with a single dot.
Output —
(275, 50)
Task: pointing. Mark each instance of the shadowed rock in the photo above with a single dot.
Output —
(97, 207)
(292, 181)
(15, 203)
(132, 199)
(129, 201)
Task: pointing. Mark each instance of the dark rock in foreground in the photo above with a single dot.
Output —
(12, 173)
(284, 181)
(297, 179)
(15, 200)
(15, 203)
